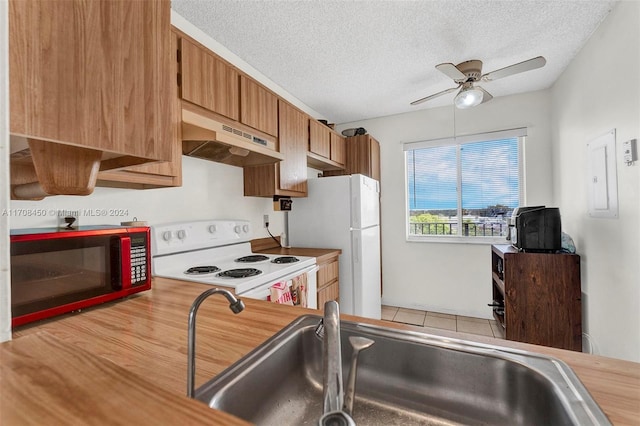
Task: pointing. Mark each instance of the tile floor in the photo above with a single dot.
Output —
(459, 323)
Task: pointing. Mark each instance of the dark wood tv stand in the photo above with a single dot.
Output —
(537, 297)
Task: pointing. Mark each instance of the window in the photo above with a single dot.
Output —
(464, 188)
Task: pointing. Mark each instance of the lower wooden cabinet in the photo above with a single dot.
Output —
(328, 282)
(537, 297)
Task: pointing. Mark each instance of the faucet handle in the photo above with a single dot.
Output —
(358, 343)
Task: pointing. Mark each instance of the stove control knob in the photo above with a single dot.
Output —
(237, 229)
(212, 229)
(182, 234)
(245, 228)
(166, 235)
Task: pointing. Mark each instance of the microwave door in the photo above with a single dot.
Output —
(50, 273)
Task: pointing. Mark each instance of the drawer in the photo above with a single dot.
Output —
(327, 273)
(328, 292)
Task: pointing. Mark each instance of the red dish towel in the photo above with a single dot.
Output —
(280, 293)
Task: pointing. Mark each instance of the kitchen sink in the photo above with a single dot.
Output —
(405, 378)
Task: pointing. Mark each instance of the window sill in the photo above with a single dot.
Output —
(457, 240)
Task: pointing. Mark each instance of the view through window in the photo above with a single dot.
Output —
(465, 187)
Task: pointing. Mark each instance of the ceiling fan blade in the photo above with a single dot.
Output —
(486, 96)
(531, 64)
(444, 92)
(452, 72)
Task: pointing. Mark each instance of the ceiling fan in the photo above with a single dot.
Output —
(467, 73)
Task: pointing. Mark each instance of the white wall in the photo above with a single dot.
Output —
(209, 191)
(449, 277)
(600, 91)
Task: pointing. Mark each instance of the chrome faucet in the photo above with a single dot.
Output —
(236, 306)
(335, 410)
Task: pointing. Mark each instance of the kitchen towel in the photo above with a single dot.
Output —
(280, 293)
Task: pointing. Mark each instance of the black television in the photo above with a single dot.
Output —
(536, 229)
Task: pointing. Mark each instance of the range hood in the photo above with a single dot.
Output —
(210, 137)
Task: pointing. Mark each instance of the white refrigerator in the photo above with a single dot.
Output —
(343, 212)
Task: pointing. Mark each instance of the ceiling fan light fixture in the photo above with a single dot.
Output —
(468, 97)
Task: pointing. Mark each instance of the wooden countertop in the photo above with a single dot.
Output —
(126, 361)
(267, 245)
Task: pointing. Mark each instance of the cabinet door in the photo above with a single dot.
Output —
(208, 81)
(158, 174)
(294, 134)
(374, 159)
(258, 107)
(319, 138)
(363, 156)
(338, 148)
(94, 74)
(327, 293)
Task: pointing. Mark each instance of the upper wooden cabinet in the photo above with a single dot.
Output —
(258, 106)
(289, 177)
(362, 156)
(208, 81)
(319, 139)
(338, 148)
(326, 147)
(92, 74)
(158, 174)
(294, 134)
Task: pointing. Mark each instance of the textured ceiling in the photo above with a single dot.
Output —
(352, 60)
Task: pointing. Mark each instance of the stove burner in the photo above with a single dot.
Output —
(252, 258)
(201, 270)
(239, 273)
(285, 259)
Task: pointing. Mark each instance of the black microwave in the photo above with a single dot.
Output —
(536, 229)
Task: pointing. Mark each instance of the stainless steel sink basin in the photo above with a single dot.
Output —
(406, 378)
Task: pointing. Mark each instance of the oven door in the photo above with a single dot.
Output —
(305, 277)
(52, 276)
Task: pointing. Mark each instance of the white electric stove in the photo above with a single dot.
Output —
(218, 253)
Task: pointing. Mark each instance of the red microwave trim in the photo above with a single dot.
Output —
(70, 307)
(127, 288)
(56, 234)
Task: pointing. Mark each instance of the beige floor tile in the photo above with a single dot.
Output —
(440, 322)
(475, 327)
(413, 317)
(389, 312)
(438, 314)
(470, 319)
(411, 311)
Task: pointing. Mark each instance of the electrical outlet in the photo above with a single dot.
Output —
(266, 220)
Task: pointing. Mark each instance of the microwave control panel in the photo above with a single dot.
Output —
(139, 265)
